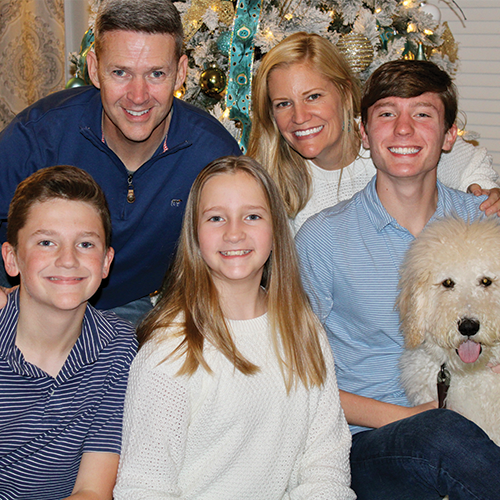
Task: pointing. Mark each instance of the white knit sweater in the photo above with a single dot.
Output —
(462, 166)
(230, 436)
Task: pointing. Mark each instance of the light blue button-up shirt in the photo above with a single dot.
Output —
(350, 258)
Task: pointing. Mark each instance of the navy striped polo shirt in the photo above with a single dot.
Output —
(47, 423)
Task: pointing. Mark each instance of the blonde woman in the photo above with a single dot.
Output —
(305, 104)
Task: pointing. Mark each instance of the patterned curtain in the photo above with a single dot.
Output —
(32, 53)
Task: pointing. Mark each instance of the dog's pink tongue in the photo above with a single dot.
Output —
(469, 351)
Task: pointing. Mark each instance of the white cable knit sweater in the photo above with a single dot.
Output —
(228, 436)
(462, 166)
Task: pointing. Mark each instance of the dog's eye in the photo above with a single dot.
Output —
(448, 283)
(486, 281)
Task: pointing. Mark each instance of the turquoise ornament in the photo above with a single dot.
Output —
(75, 82)
(386, 35)
(420, 53)
(224, 43)
(82, 74)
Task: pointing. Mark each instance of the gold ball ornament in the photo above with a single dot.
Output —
(213, 81)
(357, 50)
(180, 92)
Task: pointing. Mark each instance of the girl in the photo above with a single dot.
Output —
(233, 394)
(305, 104)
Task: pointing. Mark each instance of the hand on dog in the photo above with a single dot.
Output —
(495, 368)
(492, 204)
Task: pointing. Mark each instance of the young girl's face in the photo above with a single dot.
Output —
(234, 229)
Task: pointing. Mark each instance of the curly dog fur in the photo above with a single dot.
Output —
(449, 305)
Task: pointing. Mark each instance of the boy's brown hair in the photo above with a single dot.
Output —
(59, 182)
(408, 79)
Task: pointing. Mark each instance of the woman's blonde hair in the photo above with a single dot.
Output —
(189, 292)
(287, 168)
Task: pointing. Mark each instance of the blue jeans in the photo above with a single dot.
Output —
(134, 311)
(426, 457)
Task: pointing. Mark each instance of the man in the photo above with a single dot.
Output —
(140, 144)
(351, 255)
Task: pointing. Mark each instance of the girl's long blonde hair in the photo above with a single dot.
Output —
(189, 292)
(288, 169)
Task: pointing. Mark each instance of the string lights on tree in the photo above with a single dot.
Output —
(368, 32)
(225, 41)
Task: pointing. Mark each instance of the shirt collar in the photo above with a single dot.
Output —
(379, 216)
(377, 213)
(440, 209)
(179, 127)
(92, 115)
(95, 335)
(8, 325)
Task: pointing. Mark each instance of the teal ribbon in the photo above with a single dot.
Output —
(241, 54)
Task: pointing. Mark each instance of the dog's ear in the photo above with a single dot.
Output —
(412, 302)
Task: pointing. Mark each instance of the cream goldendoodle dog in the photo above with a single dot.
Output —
(450, 317)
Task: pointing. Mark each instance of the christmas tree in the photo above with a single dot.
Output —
(225, 41)
(368, 32)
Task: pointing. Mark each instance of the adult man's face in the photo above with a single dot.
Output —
(406, 135)
(137, 74)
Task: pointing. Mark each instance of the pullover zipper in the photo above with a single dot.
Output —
(130, 192)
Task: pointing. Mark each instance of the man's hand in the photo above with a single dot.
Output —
(492, 204)
(495, 367)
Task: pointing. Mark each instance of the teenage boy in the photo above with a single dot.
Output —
(143, 146)
(63, 365)
(351, 255)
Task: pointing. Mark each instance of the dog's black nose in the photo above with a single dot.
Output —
(468, 327)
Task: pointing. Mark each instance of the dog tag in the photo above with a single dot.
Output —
(443, 383)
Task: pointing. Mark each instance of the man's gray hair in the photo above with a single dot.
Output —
(146, 16)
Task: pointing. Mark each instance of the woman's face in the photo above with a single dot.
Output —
(307, 109)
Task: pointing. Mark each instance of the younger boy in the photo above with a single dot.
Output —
(63, 365)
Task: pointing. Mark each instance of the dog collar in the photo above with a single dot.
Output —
(443, 384)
